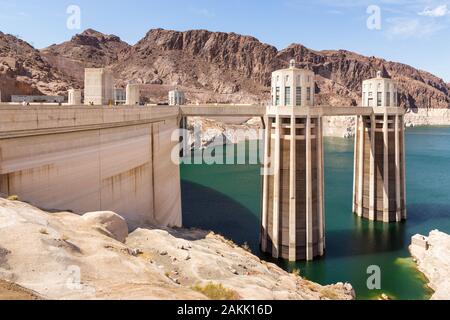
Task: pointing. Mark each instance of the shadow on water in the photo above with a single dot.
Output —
(366, 238)
(208, 209)
(423, 212)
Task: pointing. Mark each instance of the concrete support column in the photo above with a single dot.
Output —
(372, 186)
(309, 207)
(361, 166)
(403, 164)
(320, 184)
(293, 193)
(276, 190)
(397, 170)
(265, 195)
(355, 160)
(184, 136)
(386, 168)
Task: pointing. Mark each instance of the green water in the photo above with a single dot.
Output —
(226, 199)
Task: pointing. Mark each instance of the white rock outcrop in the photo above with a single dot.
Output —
(432, 255)
(67, 256)
(427, 117)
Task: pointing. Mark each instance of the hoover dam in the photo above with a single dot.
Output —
(95, 157)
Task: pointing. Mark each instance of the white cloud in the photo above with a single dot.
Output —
(411, 28)
(203, 12)
(439, 11)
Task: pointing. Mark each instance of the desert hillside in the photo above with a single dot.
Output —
(23, 70)
(90, 49)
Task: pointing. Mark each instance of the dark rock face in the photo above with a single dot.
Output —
(227, 67)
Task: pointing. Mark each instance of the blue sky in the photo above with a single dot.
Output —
(415, 32)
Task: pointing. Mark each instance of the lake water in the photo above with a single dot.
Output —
(227, 200)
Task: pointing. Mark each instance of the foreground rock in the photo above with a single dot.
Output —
(433, 259)
(65, 256)
(108, 222)
(11, 291)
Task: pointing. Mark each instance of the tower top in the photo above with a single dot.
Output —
(292, 64)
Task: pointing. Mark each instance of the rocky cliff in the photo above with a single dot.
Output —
(90, 49)
(24, 71)
(227, 67)
(224, 67)
(66, 256)
(432, 255)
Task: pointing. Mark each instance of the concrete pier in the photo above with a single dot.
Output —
(293, 193)
(379, 192)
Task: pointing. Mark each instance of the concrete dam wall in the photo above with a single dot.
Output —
(93, 158)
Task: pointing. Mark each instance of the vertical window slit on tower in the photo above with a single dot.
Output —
(298, 96)
(287, 96)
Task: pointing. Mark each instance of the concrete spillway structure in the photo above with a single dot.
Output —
(293, 215)
(379, 191)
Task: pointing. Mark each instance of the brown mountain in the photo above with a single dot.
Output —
(90, 49)
(211, 66)
(227, 67)
(340, 75)
(24, 71)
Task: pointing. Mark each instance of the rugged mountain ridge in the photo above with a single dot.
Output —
(89, 49)
(232, 68)
(24, 71)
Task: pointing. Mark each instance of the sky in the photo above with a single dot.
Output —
(415, 32)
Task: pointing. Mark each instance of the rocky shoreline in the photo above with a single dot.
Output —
(67, 256)
(432, 255)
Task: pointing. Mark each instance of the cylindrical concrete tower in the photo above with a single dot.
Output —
(292, 209)
(379, 191)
